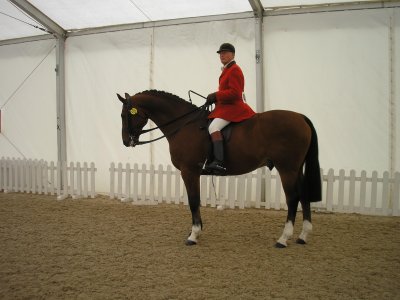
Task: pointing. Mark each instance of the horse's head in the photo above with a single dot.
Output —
(133, 121)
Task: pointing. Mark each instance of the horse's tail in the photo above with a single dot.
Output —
(312, 191)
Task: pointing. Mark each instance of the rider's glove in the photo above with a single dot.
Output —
(212, 98)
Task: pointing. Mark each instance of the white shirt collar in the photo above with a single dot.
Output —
(224, 67)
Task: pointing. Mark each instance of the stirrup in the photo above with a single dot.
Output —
(215, 166)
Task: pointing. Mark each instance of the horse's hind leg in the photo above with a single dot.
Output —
(291, 186)
(307, 226)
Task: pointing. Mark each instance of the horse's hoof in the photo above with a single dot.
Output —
(279, 245)
(190, 243)
(301, 241)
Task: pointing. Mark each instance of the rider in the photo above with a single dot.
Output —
(230, 105)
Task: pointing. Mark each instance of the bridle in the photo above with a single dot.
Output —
(134, 136)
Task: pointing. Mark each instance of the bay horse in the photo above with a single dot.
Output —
(285, 138)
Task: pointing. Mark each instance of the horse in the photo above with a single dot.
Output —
(286, 139)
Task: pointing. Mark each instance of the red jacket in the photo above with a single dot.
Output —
(230, 105)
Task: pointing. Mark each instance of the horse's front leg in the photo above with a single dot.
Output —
(192, 183)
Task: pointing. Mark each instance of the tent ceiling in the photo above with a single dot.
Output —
(77, 14)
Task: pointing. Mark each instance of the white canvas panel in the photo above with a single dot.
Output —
(98, 67)
(76, 14)
(15, 24)
(283, 3)
(185, 59)
(175, 9)
(28, 101)
(396, 84)
(334, 68)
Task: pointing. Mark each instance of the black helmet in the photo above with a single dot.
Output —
(226, 47)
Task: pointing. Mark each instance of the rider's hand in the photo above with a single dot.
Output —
(212, 98)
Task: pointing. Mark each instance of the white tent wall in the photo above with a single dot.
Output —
(338, 68)
(97, 67)
(28, 100)
(180, 58)
(335, 68)
(395, 97)
(185, 59)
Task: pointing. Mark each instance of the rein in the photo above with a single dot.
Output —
(198, 109)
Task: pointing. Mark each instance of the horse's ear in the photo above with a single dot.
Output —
(127, 96)
(121, 99)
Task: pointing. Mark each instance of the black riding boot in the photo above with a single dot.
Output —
(217, 164)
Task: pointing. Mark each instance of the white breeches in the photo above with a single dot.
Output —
(217, 125)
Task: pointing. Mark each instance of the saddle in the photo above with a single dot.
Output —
(226, 133)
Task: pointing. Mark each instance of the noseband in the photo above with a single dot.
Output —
(134, 136)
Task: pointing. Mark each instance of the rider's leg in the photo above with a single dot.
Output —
(218, 144)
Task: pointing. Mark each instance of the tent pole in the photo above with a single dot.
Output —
(60, 81)
(258, 10)
(60, 34)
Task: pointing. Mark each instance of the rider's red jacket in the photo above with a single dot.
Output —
(230, 105)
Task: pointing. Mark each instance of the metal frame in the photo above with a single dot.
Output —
(258, 10)
(60, 34)
(258, 13)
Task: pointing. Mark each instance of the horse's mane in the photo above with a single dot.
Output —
(164, 94)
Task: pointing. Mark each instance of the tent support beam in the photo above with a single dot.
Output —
(60, 34)
(60, 82)
(31, 10)
(258, 10)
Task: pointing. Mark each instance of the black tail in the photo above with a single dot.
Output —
(312, 191)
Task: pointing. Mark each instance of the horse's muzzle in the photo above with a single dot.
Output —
(132, 142)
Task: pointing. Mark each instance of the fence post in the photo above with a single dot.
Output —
(78, 181)
(127, 183)
(169, 184)
(329, 190)
(177, 187)
(277, 192)
(222, 196)
(119, 181)
(143, 195)
(396, 194)
(152, 183)
(231, 191)
(1, 174)
(341, 190)
(92, 180)
(15, 173)
(241, 191)
(203, 191)
(112, 180)
(363, 191)
(352, 190)
(62, 180)
(160, 184)
(385, 193)
(46, 177)
(135, 195)
(85, 180)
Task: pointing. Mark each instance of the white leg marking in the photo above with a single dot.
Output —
(196, 229)
(287, 233)
(307, 228)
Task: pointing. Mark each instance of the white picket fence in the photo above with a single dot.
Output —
(41, 177)
(342, 192)
(350, 193)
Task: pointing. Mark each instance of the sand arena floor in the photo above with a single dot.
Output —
(104, 249)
